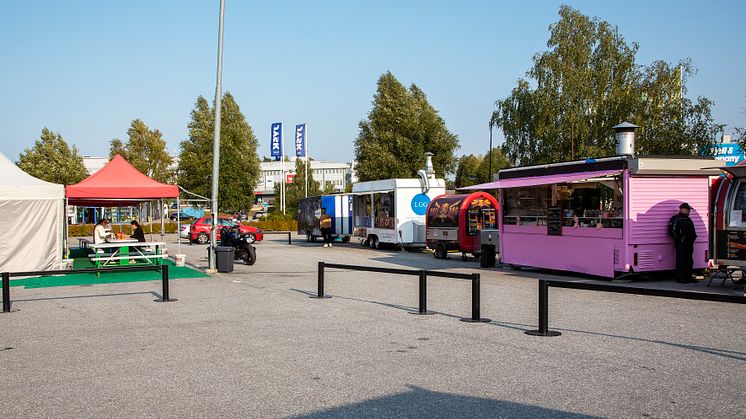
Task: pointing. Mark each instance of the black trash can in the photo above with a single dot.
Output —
(488, 257)
(224, 259)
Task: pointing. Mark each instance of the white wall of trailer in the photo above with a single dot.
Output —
(409, 226)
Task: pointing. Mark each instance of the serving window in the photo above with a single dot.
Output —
(593, 203)
(737, 212)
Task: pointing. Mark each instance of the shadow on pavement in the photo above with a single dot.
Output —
(420, 402)
(739, 356)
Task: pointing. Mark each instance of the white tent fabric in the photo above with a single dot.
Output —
(31, 224)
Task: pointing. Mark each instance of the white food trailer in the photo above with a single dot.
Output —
(392, 211)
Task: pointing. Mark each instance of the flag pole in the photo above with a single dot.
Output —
(305, 151)
(282, 169)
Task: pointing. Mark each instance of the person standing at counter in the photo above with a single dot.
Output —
(681, 227)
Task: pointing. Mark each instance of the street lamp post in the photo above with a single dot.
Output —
(216, 142)
(490, 154)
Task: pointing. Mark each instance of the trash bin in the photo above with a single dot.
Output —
(488, 257)
(224, 258)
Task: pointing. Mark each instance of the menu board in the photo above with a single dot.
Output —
(731, 245)
(554, 221)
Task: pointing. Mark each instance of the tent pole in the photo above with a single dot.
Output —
(65, 231)
(178, 225)
(163, 222)
(150, 218)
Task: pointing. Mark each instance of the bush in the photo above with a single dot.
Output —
(82, 230)
(274, 225)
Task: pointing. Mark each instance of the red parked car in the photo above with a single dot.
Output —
(199, 231)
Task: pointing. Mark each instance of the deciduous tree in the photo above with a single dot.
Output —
(239, 163)
(51, 159)
(587, 82)
(146, 150)
(400, 128)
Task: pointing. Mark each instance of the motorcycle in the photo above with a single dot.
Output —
(241, 243)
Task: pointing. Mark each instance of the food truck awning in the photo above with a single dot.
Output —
(541, 180)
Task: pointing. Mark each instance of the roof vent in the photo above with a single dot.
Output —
(624, 139)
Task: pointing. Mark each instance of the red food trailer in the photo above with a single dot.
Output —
(454, 222)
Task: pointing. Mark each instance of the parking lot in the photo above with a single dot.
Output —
(252, 343)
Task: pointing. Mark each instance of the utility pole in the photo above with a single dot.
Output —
(490, 154)
(216, 142)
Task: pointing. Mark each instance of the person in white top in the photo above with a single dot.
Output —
(101, 232)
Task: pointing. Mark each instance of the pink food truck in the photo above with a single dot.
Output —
(606, 217)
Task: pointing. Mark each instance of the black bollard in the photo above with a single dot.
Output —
(475, 302)
(320, 292)
(543, 313)
(423, 294)
(6, 292)
(164, 286)
(290, 240)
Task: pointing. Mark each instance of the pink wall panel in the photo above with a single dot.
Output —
(653, 200)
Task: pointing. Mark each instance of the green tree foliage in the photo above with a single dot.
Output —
(587, 82)
(399, 129)
(475, 168)
(296, 191)
(146, 150)
(51, 159)
(499, 162)
(329, 188)
(467, 172)
(239, 163)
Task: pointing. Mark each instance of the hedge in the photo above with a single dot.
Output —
(274, 225)
(82, 230)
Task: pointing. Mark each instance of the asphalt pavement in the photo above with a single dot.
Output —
(253, 344)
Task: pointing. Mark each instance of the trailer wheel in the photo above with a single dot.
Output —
(440, 251)
(375, 243)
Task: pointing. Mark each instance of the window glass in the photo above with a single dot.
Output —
(737, 215)
(593, 203)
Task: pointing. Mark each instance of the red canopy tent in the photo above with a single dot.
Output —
(118, 183)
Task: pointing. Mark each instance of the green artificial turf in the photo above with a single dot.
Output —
(174, 272)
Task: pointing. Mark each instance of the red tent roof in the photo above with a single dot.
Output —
(118, 183)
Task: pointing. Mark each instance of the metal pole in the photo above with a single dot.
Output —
(178, 225)
(543, 312)
(289, 238)
(163, 221)
(475, 302)
(490, 174)
(6, 292)
(216, 141)
(423, 294)
(305, 150)
(320, 292)
(282, 165)
(165, 297)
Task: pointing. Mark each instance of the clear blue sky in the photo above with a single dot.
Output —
(87, 68)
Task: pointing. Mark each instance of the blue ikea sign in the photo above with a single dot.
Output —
(420, 203)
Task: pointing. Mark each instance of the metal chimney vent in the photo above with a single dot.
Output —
(624, 139)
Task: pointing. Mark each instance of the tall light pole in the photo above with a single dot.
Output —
(216, 142)
(490, 154)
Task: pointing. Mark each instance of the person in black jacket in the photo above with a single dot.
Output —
(681, 228)
(137, 232)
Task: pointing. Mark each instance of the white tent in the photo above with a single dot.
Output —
(31, 221)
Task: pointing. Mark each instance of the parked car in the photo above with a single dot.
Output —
(259, 215)
(182, 216)
(184, 233)
(199, 231)
(241, 216)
